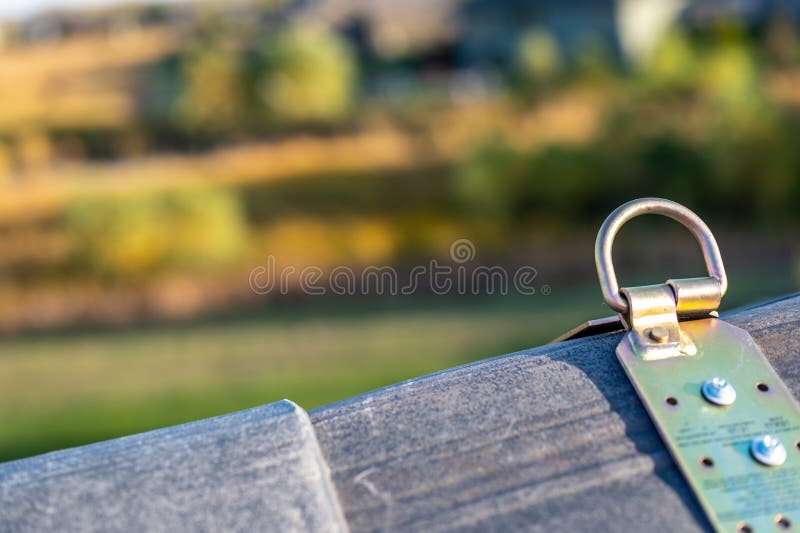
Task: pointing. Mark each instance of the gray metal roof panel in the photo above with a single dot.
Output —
(553, 437)
(259, 469)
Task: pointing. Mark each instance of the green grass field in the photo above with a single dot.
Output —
(67, 389)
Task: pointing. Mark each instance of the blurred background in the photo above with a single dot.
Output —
(153, 155)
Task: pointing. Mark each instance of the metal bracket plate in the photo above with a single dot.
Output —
(711, 443)
(597, 326)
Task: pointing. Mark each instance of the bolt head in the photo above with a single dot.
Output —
(718, 391)
(658, 334)
(768, 450)
(719, 383)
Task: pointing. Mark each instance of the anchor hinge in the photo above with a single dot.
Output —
(654, 313)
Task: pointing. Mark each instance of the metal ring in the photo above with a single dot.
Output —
(659, 206)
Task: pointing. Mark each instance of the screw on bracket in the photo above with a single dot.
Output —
(658, 334)
(768, 450)
(718, 391)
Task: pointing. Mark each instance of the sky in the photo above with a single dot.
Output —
(19, 9)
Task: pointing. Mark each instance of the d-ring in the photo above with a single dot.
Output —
(659, 206)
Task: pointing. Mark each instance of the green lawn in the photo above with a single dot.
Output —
(67, 389)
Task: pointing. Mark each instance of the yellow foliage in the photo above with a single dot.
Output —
(538, 55)
(301, 242)
(33, 150)
(6, 162)
(371, 242)
(311, 76)
(672, 62)
(213, 95)
(129, 237)
(729, 74)
(82, 70)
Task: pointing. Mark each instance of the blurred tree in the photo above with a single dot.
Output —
(308, 75)
(538, 58)
(669, 165)
(212, 96)
(757, 164)
(132, 237)
(565, 181)
(488, 182)
(781, 43)
(729, 75)
(6, 163)
(672, 63)
(594, 62)
(33, 150)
